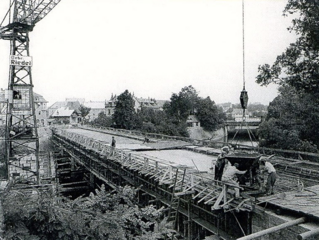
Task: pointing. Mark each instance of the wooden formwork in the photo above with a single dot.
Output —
(204, 204)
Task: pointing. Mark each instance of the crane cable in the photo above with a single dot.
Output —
(243, 26)
(243, 94)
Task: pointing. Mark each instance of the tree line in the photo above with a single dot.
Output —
(170, 121)
(292, 121)
(293, 116)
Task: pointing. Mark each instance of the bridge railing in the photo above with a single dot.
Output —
(186, 179)
(140, 134)
(210, 143)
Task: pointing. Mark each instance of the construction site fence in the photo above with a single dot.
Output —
(206, 142)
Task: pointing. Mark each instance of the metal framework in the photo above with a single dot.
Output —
(21, 135)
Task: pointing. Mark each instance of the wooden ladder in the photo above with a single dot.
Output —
(175, 201)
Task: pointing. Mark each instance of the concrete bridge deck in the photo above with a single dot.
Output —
(156, 172)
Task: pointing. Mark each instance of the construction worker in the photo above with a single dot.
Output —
(272, 175)
(220, 163)
(230, 176)
(113, 145)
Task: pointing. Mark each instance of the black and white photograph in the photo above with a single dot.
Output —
(159, 119)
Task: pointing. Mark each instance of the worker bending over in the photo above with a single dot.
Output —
(230, 176)
(272, 176)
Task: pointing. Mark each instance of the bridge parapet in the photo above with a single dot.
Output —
(204, 188)
(139, 134)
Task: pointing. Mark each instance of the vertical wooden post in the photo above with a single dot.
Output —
(248, 229)
(72, 164)
(189, 218)
(225, 133)
(91, 180)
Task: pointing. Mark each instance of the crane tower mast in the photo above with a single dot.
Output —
(21, 134)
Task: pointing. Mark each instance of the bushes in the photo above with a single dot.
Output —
(102, 215)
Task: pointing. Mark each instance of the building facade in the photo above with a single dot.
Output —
(40, 108)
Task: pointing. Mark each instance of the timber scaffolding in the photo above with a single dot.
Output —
(196, 205)
(204, 206)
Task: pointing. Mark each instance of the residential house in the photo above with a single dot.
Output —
(192, 121)
(237, 114)
(110, 105)
(40, 105)
(96, 107)
(41, 112)
(138, 104)
(68, 103)
(151, 103)
(65, 115)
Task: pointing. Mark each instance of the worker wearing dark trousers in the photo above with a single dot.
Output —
(113, 145)
(220, 164)
(272, 176)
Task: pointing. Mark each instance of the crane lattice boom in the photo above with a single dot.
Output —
(24, 14)
(22, 142)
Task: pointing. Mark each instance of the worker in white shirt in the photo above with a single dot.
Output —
(272, 176)
(230, 176)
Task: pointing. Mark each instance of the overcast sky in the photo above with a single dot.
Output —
(153, 48)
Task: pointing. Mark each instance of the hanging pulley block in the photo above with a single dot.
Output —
(244, 99)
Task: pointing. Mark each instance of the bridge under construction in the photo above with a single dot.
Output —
(175, 174)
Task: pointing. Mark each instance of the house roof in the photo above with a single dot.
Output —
(192, 118)
(239, 111)
(80, 100)
(39, 98)
(95, 104)
(69, 104)
(63, 112)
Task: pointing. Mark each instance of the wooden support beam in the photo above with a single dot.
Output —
(184, 193)
(73, 183)
(219, 199)
(273, 229)
(207, 195)
(211, 199)
(309, 234)
(200, 192)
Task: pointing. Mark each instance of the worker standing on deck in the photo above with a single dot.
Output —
(272, 175)
(220, 163)
(113, 145)
(230, 176)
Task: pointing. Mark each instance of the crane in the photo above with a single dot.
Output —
(21, 133)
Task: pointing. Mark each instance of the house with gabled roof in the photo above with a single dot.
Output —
(192, 121)
(139, 103)
(65, 115)
(96, 107)
(68, 103)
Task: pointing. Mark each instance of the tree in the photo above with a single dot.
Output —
(124, 113)
(150, 119)
(288, 124)
(209, 115)
(183, 104)
(298, 66)
(293, 115)
(102, 120)
(84, 111)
